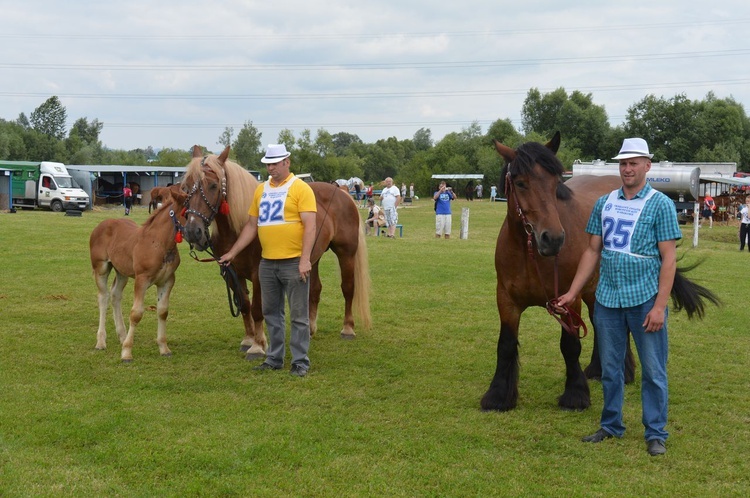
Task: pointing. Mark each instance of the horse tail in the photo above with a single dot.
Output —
(690, 296)
(361, 300)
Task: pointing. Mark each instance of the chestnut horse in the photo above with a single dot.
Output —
(212, 181)
(536, 257)
(157, 197)
(147, 253)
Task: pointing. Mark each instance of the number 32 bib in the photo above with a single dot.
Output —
(272, 202)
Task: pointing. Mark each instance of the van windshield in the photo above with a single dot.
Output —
(66, 182)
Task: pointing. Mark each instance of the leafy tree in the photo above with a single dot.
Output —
(582, 124)
(173, 157)
(324, 145)
(504, 132)
(667, 126)
(286, 137)
(12, 146)
(422, 139)
(225, 139)
(247, 146)
(23, 121)
(343, 143)
(49, 118)
(87, 132)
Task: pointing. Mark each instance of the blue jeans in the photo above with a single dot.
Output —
(280, 278)
(612, 325)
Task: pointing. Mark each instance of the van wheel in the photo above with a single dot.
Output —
(56, 206)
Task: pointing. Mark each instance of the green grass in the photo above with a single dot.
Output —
(393, 413)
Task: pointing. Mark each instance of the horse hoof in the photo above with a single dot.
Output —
(127, 360)
(98, 348)
(167, 355)
(254, 356)
(348, 337)
(244, 348)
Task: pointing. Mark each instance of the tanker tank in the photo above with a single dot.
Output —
(677, 182)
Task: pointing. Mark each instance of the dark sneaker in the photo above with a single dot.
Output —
(656, 447)
(597, 437)
(266, 366)
(298, 371)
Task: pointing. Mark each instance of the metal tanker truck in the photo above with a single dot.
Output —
(680, 183)
(44, 184)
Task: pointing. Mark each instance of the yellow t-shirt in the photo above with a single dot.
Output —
(278, 209)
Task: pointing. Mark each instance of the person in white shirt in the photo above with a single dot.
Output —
(390, 198)
(745, 225)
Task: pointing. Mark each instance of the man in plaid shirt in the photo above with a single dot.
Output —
(633, 232)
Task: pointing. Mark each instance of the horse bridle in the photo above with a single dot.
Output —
(228, 273)
(198, 187)
(570, 321)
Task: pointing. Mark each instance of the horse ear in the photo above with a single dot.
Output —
(224, 155)
(197, 151)
(554, 143)
(506, 152)
(177, 194)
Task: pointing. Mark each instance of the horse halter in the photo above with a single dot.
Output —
(198, 187)
(527, 226)
(570, 321)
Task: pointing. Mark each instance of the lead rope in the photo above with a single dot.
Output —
(231, 279)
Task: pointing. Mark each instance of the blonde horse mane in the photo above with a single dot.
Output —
(240, 185)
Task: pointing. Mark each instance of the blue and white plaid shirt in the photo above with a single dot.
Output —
(626, 280)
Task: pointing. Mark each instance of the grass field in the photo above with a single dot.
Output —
(393, 413)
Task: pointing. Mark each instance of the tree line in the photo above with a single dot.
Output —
(677, 129)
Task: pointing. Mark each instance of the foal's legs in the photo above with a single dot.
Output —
(116, 293)
(163, 292)
(136, 313)
(101, 275)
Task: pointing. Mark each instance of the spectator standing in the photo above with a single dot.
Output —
(479, 191)
(127, 196)
(745, 225)
(493, 193)
(390, 198)
(403, 191)
(411, 192)
(443, 216)
(358, 193)
(709, 206)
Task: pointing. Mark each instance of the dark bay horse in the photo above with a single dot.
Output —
(536, 257)
(213, 180)
(147, 253)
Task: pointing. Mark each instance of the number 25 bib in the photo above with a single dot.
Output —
(619, 218)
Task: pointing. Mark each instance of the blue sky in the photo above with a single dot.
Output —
(175, 73)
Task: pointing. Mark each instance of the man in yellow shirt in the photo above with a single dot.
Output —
(282, 215)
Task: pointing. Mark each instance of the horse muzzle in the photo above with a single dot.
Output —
(549, 243)
(197, 235)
